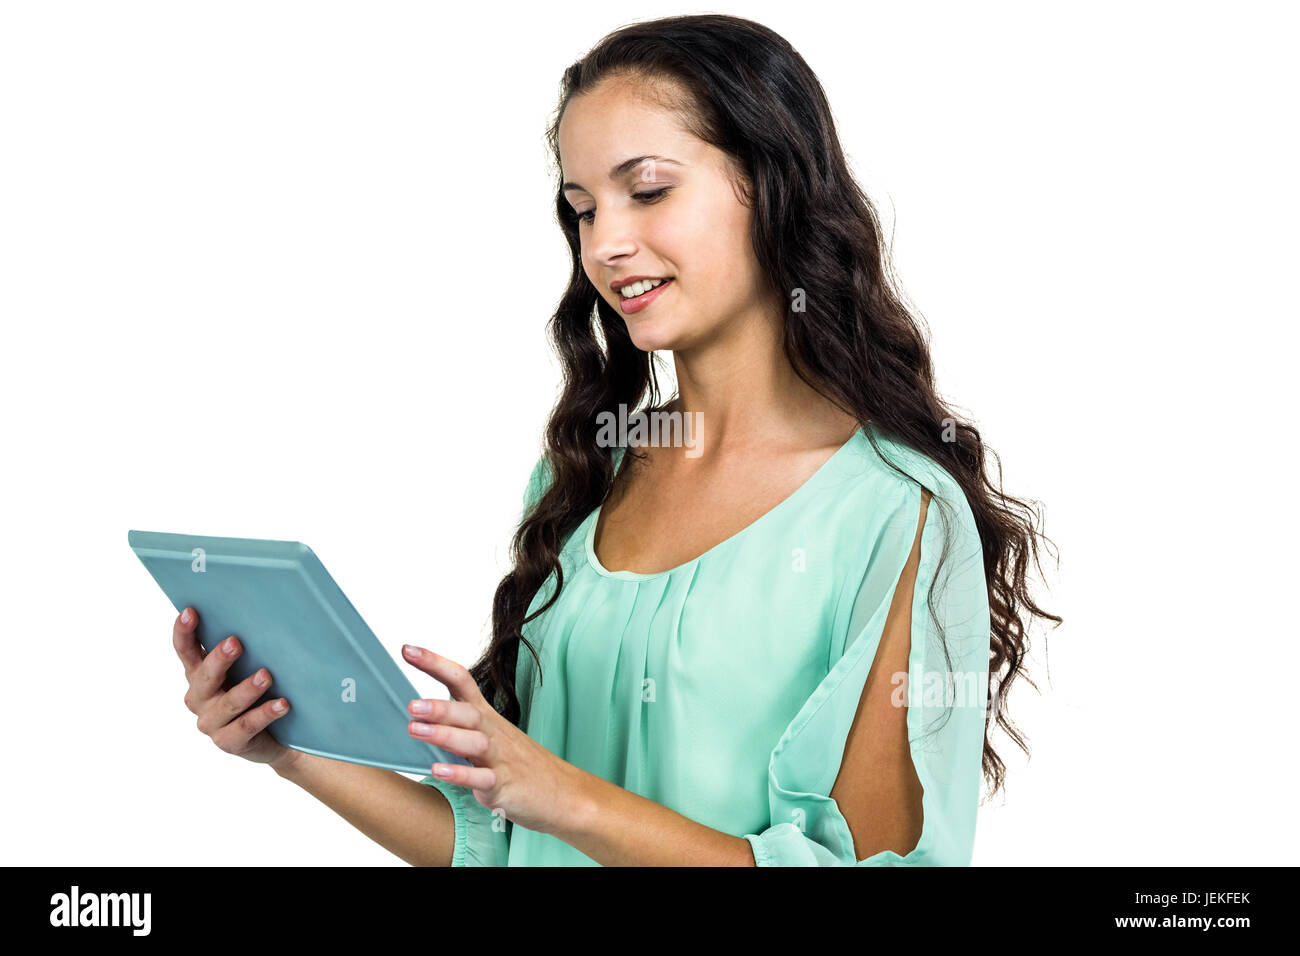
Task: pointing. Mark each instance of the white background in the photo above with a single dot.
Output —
(283, 270)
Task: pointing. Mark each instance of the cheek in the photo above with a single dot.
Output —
(593, 272)
(712, 245)
(717, 272)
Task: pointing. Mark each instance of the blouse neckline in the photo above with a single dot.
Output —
(589, 539)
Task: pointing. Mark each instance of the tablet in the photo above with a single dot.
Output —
(347, 696)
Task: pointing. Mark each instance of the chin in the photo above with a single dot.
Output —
(654, 339)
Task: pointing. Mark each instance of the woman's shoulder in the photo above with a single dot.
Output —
(882, 466)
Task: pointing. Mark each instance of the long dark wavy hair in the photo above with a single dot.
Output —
(742, 88)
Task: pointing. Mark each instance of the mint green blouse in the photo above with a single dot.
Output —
(725, 688)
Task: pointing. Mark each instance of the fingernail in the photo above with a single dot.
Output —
(441, 771)
(278, 706)
(186, 616)
(410, 650)
(230, 645)
(420, 707)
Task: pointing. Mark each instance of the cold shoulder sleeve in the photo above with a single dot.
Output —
(946, 696)
(482, 837)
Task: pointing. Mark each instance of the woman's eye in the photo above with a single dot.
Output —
(643, 198)
(650, 197)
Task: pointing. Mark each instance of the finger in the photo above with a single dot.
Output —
(225, 708)
(234, 737)
(207, 680)
(475, 778)
(458, 680)
(471, 744)
(184, 640)
(454, 712)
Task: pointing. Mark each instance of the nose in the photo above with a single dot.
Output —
(610, 239)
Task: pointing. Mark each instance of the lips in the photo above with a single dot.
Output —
(637, 303)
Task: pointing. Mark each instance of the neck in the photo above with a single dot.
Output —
(740, 389)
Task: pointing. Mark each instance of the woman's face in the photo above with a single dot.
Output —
(655, 201)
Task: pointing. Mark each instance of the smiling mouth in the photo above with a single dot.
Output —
(645, 294)
(645, 300)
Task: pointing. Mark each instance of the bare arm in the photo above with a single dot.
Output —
(619, 828)
(410, 819)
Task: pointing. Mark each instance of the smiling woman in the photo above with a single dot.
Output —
(676, 213)
(785, 650)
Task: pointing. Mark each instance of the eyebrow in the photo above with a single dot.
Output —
(623, 168)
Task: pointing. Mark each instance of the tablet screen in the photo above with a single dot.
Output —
(347, 695)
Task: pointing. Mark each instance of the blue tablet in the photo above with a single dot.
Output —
(347, 697)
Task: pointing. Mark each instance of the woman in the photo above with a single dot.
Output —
(774, 638)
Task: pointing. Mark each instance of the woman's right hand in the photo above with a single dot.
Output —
(223, 712)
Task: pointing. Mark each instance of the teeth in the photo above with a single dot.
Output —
(639, 288)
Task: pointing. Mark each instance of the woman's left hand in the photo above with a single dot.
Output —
(511, 771)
